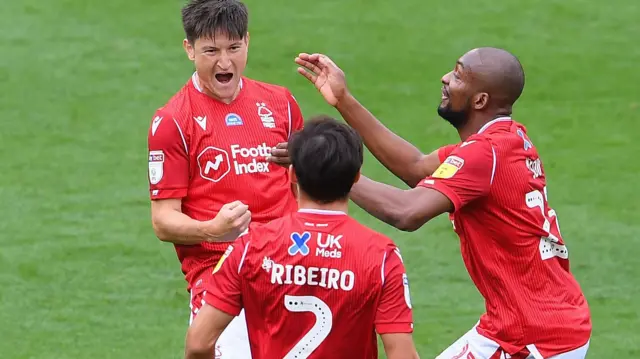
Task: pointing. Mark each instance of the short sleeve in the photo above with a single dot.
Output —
(168, 158)
(465, 174)
(224, 287)
(445, 151)
(296, 121)
(394, 313)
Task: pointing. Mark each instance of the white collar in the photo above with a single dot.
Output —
(321, 211)
(495, 120)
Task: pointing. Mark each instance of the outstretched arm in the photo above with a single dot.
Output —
(399, 156)
(406, 210)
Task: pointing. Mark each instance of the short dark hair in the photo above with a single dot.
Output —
(326, 156)
(203, 18)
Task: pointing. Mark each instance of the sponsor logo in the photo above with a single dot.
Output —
(299, 243)
(407, 294)
(156, 166)
(215, 163)
(202, 121)
(155, 124)
(233, 119)
(449, 167)
(328, 246)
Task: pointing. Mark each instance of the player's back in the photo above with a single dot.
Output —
(315, 281)
(514, 252)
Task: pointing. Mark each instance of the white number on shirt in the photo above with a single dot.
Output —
(550, 245)
(320, 330)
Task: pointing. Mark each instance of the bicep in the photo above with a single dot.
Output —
(399, 346)
(168, 158)
(423, 204)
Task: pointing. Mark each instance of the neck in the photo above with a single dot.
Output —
(305, 203)
(475, 123)
(206, 89)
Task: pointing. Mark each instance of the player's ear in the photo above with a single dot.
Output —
(481, 101)
(246, 39)
(188, 48)
(357, 177)
(292, 175)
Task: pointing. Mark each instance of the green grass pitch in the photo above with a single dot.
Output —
(81, 273)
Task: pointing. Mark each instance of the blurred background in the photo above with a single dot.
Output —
(81, 272)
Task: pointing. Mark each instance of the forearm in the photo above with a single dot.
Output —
(178, 228)
(396, 154)
(382, 201)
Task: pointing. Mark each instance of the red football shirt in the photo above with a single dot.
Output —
(321, 285)
(209, 153)
(510, 240)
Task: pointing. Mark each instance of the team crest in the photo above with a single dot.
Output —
(156, 166)
(449, 167)
(223, 258)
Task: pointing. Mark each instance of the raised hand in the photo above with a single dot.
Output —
(325, 75)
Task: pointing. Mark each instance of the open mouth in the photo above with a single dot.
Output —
(224, 77)
(445, 94)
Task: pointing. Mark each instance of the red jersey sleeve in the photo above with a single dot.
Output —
(296, 121)
(465, 174)
(223, 289)
(168, 158)
(394, 310)
(445, 151)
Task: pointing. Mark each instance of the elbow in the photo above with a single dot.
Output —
(199, 349)
(407, 221)
(158, 229)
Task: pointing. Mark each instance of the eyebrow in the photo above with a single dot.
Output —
(460, 63)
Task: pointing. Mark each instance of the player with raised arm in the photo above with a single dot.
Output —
(211, 166)
(493, 185)
(316, 283)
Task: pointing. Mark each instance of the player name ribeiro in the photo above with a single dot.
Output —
(329, 278)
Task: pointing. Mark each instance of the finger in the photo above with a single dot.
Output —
(279, 152)
(310, 65)
(282, 145)
(238, 211)
(311, 77)
(304, 55)
(232, 205)
(325, 61)
(243, 222)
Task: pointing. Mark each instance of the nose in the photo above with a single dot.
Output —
(224, 62)
(445, 78)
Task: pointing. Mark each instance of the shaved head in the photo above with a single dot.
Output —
(496, 72)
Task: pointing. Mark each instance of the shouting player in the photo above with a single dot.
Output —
(210, 151)
(494, 185)
(316, 283)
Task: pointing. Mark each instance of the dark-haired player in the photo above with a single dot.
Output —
(316, 283)
(494, 186)
(210, 169)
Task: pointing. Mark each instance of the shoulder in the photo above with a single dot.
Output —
(369, 237)
(178, 106)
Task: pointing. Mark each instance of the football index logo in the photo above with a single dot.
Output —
(299, 243)
(233, 119)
